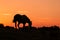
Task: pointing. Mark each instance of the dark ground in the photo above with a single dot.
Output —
(44, 33)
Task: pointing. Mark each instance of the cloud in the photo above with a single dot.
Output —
(6, 14)
(22, 11)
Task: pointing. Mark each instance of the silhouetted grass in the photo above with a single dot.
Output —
(29, 33)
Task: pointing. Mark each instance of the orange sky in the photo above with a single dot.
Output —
(41, 12)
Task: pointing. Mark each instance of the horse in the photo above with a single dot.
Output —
(21, 19)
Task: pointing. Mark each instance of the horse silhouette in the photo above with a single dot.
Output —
(21, 19)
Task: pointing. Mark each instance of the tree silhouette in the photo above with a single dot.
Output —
(21, 19)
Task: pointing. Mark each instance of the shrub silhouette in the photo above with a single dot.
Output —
(44, 33)
(21, 19)
(1, 25)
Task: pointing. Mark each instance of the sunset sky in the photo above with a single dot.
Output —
(40, 12)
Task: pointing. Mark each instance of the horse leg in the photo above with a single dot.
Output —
(30, 23)
(18, 25)
(15, 25)
(23, 24)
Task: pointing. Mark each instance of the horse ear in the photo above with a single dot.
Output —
(23, 15)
